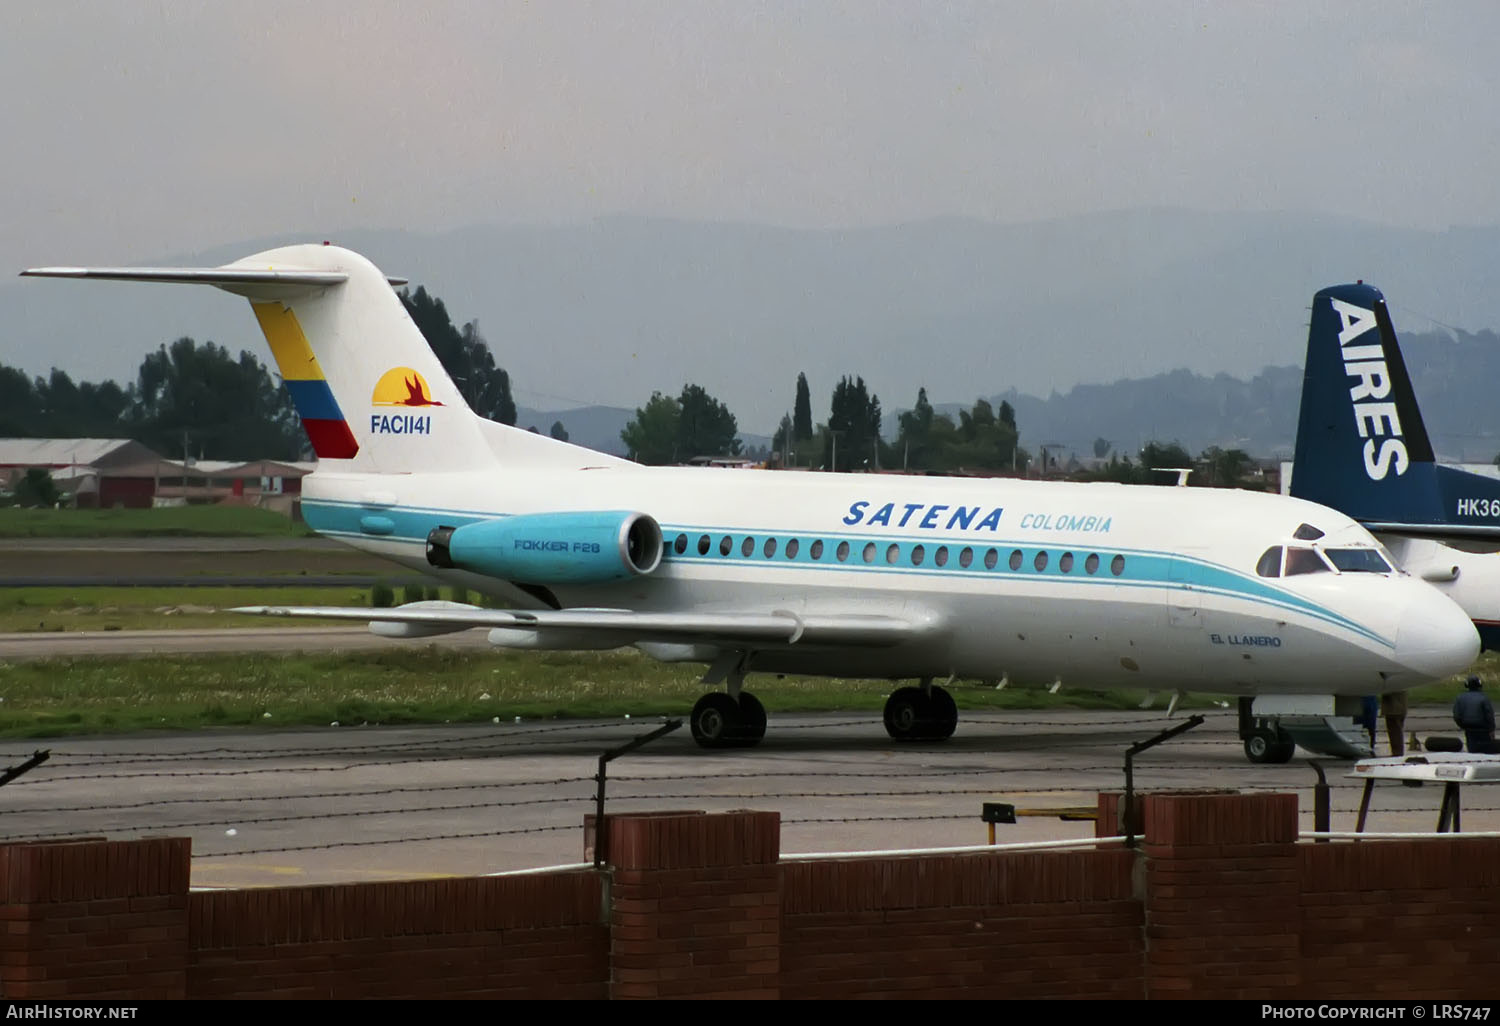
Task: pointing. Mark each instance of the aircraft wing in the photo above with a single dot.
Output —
(778, 627)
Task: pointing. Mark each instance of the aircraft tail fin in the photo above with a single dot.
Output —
(372, 396)
(1362, 447)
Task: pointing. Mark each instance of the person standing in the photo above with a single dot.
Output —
(1369, 709)
(1475, 716)
(1393, 708)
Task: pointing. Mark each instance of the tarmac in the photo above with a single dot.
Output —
(358, 802)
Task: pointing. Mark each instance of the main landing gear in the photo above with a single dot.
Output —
(736, 719)
(721, 720)
(923, 713)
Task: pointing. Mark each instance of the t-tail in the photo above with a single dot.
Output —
(1361, 445)
(372, 396)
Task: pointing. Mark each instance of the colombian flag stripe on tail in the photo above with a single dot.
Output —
(314, 400)
(322, 419)
(331, 439)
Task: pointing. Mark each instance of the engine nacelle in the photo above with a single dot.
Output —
(552, 548)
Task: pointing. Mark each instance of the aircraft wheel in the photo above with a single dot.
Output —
(908, 714)
(715, 720)
(1266, 748)
(944, 715)
(752, 720)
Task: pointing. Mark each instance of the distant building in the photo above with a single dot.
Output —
(732, 462)
(104, 473)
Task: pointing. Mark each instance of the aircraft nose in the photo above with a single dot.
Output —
(1436, 637)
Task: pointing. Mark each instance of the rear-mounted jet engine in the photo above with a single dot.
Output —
(552, 548)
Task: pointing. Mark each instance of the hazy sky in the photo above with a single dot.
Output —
(133, 130)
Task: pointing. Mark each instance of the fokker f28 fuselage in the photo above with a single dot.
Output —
(884, 576)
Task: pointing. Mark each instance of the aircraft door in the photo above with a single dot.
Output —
(1185, 590)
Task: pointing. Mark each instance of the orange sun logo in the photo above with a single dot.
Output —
(402, 386)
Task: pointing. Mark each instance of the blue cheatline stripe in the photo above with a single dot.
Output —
(1143, 568)
(314, 400)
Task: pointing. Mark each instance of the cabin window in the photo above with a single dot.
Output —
(892, 553)
(1040, 562)
(816, 551)
(1065, 562)
(791, 548)
(1307, 532)
(1091, 565)
(703, 544)
(1304, 561)
(843, 551)
(1117, 565)
(1016, 559)
(747, 546)
(941, 556)
(680, 545)
(1358, 561)
(966, 557)
(1270, 562)
(918, 553)
(770, 547)
(991, 557)
(869, 552)
(726, 544)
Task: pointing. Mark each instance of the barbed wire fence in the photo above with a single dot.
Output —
(556, 804)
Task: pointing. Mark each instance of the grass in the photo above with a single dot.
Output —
(129, 609)
(173, 522)
(436, 685)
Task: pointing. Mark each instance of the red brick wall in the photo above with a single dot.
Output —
(526, 937)
(1019, 925)
(1220, 901)
(94, 918)
(695, 905)
(1221, 891)
(1408, 919)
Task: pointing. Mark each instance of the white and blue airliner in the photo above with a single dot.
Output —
(907, 579)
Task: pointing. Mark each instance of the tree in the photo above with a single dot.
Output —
(802, 426)
(1101, 448)
(18, 404)
(651, 435)
(1225, 468)
(782, 441)
(201, 398)
(465, 355)
(558, 431)
(914, 438)
(62, 408)
(853, 426)
(36, 488)
(1164, 456)
(705, 427)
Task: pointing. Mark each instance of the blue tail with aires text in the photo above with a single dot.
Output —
(1361, 445)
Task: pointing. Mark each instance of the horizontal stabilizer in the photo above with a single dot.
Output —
(240, 280)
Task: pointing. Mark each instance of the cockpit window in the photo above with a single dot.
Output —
(1307, 532)
(1270, 562)
(1366, 561)
(1304, 561)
